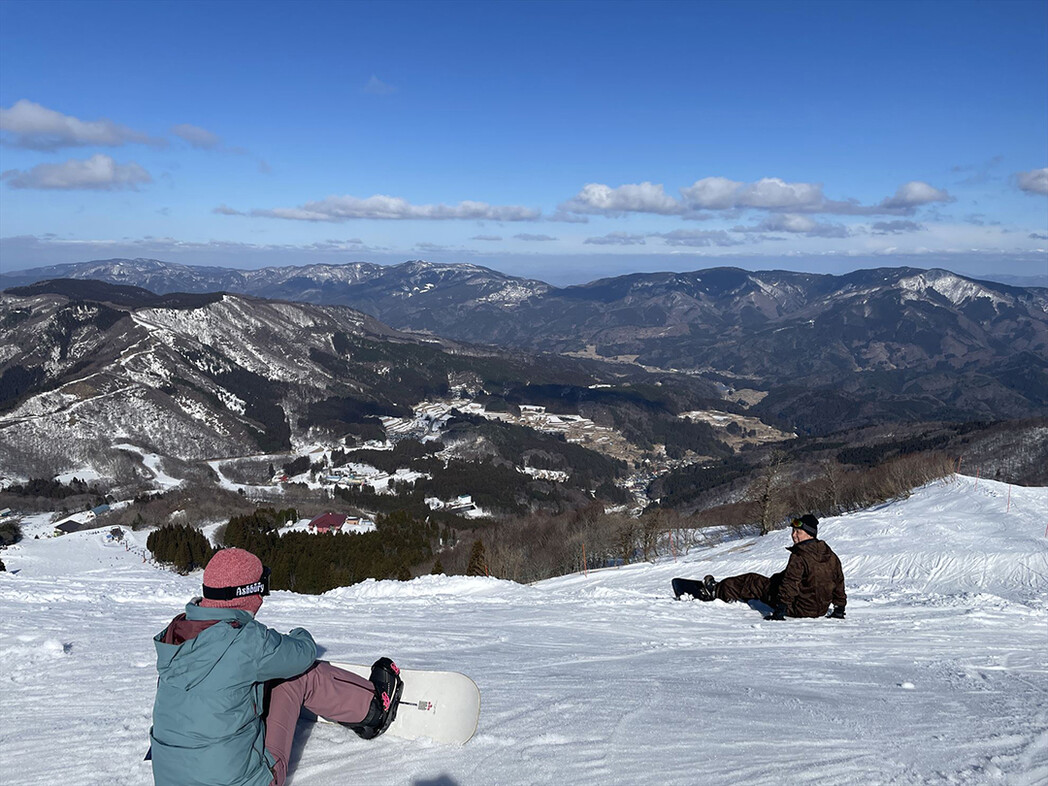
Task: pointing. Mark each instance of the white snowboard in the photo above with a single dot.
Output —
(441, 705)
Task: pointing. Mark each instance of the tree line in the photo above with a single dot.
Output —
(183, 547)
(314, 563)
(54, 489)
(535, 545)
(541, 545)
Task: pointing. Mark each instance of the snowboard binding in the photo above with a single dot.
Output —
(709, 588)
(385, 676)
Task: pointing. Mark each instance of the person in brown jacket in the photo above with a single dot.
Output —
(813, 579)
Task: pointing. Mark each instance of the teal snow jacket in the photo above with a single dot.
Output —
(213, 663)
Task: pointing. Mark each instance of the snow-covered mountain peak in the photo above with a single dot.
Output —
(954, 288)
(346, 273)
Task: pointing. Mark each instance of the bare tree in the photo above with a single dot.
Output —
(833, 473)
(767, 491)
(627, 539)
(651, 529)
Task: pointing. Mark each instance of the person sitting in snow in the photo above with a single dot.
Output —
(812, 580)
(230, 689)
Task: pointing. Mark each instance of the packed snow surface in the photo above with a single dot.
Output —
(939, 675)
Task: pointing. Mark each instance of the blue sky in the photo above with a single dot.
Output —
(561, 140)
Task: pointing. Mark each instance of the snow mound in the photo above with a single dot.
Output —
(444, 587)
(949, 538)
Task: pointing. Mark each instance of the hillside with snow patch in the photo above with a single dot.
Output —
(938, 675)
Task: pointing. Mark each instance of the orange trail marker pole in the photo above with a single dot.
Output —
(585, 567)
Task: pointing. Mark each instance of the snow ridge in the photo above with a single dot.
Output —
(954, 288)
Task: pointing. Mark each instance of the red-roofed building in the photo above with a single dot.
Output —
(328, 522)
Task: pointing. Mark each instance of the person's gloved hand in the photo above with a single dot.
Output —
(778, 614)
(837, 613)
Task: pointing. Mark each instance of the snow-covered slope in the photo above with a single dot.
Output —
(939, 675)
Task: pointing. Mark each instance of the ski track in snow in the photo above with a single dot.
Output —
(938, 676)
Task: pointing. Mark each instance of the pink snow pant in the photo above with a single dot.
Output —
(323, 689)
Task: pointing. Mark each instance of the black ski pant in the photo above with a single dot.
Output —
(751, 586)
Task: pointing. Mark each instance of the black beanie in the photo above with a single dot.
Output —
(808, 523)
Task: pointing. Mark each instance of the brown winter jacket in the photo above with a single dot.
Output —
(813, 580)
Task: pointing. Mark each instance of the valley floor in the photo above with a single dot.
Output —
(939, 675)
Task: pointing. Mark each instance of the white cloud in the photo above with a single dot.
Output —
(349, 208)
(98, 173)
(533, 238)
(226, 210)
(914, 194)
(788, 222)
(1033, 182)
(202, 139)
(616, 239)
(632, 198)
(562, 215)
(36, 127)
(431, 247)
(768, 193)
(377, 87)
(978, 174)
(895, 227)
(712, 193)
(697, 239)
(197, 137)
(292, 214)
(798, 224)
(491, 238)
(712, 196)
(771, 193)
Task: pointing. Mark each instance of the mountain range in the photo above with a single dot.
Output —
(812, 352)
(88, 368)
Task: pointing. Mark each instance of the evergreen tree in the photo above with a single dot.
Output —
(181, 546)
(183, 557)
(478, 565)
(438, 568)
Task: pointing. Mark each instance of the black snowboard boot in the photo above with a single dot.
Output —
(710, 586)
(385, 676)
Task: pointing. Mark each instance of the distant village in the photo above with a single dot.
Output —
(428, 421)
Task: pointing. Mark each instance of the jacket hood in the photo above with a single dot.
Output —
(813, 549)
(190, 647)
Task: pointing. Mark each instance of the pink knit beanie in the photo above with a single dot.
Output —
(233, 568)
